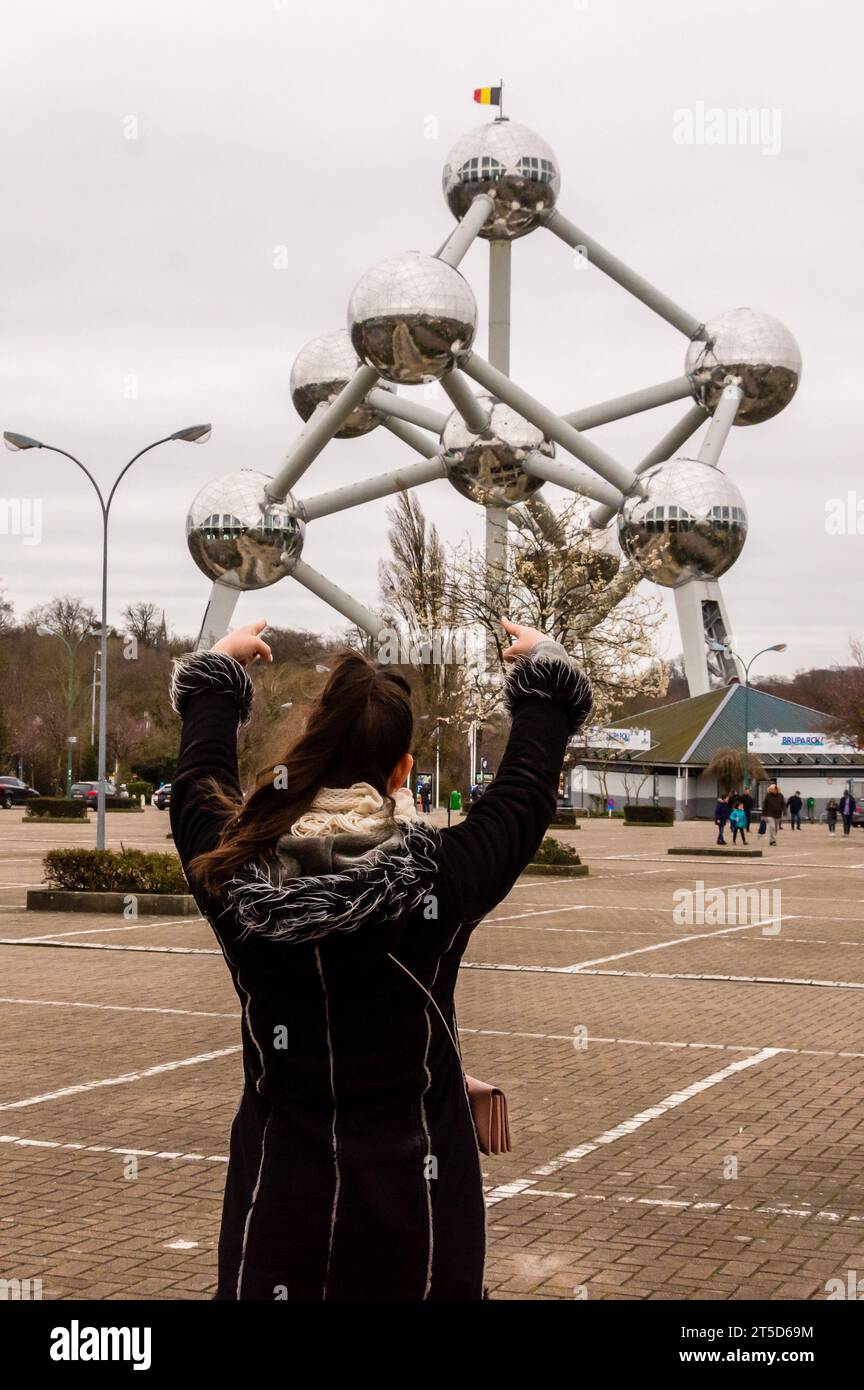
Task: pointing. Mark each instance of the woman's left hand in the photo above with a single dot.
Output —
(245, 644)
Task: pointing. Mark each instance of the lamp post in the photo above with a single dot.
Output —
(193, 434)
(726, 647)
(442, 719)
(436, 734)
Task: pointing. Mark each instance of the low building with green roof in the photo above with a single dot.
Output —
(672, 745)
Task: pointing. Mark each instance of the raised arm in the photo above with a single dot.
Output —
(212, 693)
(549, 699)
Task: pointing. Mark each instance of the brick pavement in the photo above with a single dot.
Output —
(686, 1118)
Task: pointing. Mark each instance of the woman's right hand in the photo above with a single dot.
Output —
(525, 639)
(245, 644)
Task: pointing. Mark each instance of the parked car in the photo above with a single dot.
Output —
(14, 792)
(89, 791)
(162, 796)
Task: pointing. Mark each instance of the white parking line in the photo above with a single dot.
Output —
(730, 979)
(657, 975)
(121, 1080)
(95, 931)
(627, 1127)
(117, 1008)
(671, 1204)
(672, 1046)
(539, 912)
(679, 941)
(107, 1149)
(478, 1032)
(40, 942)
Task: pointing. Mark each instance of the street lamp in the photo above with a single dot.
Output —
(730, 651)
(193, 434)
(436, 734)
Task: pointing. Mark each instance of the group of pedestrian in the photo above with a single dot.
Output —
(845, 808)
(733, 810)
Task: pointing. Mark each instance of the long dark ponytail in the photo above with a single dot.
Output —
(358, 729)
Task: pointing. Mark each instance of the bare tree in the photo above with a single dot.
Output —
(71, 617)
(561, 581)
(634, 781)
(141, 622)
(419, 600)
(7, 614)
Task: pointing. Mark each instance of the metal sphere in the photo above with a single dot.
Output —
(682, 520)
(511, 163)
(753, 346)
(320, 371)
(235, 536)
(487, 467)
(410, 317)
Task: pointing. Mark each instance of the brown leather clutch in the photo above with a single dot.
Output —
(491, 1121)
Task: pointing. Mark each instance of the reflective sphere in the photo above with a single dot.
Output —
(411, 316)
(511, 163)
(682, 520)
(320, 370)
(487, 467)
(755, 347)
(233, 535)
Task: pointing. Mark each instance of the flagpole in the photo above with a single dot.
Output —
(501, 101)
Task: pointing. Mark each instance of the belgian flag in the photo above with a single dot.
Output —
(488, 96)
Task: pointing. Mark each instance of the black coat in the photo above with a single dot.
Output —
(354, 1170)
(773, 804)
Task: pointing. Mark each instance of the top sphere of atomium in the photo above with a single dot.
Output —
(487, 467)
(511, 163)
(236, 536)
(411, 317)
(320, 371)
(754, 347)
(682, 520)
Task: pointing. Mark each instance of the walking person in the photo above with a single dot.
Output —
(738, 821)
(794, 806)
(353, 1167)
(831, 812)
(773, 806)
(848, 807)
(721, 817)
(747, 804)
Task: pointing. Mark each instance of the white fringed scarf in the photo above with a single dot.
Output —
(356, 808)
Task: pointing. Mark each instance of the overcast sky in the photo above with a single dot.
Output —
(141, 290)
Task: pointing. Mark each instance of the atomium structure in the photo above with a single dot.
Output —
(412, 319)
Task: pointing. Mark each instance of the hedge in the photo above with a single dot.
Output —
(140, 788)
(119, 871)
(122, 803)
(649, 815)
(552, 851)
(52, 807)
